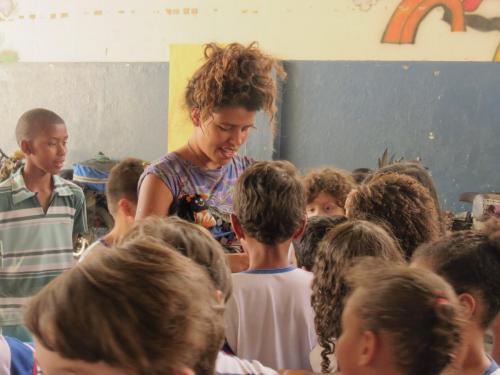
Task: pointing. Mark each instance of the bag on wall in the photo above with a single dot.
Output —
(94, 173)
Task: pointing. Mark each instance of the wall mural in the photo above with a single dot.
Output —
(403, 26)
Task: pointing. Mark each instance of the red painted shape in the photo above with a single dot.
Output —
(471, 5)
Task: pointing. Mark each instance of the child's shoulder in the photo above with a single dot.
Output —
(62, 183)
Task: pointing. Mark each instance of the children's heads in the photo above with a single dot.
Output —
(402, 203)
(192, 241)
(397, 320)
(338, 251)
(41, 134)
(141, 307)
(470, 262)
(121, 189)
(316, 228)
(327, 189)
(269, 203)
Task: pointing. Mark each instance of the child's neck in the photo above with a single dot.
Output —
(121, 227)
(474, 359)
(35, 179)
(264, 256)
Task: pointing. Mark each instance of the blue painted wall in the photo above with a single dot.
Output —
(347, 113)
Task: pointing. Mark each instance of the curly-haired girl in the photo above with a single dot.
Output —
(469, 261)
(338, 251)
(223, 96)
(402, 203)
(398, 321)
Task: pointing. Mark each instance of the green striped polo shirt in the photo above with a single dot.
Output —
(35, 246)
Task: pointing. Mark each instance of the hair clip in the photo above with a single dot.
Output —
(441, 301)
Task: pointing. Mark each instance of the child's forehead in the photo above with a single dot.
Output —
(324, 196)
(51, 130)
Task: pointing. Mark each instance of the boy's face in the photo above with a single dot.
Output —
(324, 204)
(52, 363)
(47, 150)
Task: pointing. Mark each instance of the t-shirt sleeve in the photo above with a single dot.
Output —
(166, 173)
(80, 221)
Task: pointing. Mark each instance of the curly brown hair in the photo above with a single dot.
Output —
(235, 75)
(337, 253)
(402, 203)
(416, 170)
(336, 182)
(415, 307)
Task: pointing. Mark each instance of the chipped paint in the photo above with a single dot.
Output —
(97, 12)
(64, 15)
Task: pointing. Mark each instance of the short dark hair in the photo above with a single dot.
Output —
(269, 201)
(32, 121)
(122, 182)
(469, 260)
(316, 228)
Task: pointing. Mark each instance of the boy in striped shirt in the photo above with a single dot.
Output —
(40, 216)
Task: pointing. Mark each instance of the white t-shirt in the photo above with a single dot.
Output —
(269, 317)
(231, 365)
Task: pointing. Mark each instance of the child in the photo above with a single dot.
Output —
(196, 243)
(40, 216)
(326, 191)
(339, 250)
(269, 316)
(121, 195)
(470, 261)
(416, 170)
(401, 203)
(307, 247)
(137, 308)
(398, 321)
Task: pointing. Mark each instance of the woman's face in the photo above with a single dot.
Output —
(220, 136)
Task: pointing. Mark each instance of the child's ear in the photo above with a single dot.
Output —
(195, 116)
(300, 231)
(469, 304)
(25, 147)
(127, 207)
(238, 230)
(368, 348)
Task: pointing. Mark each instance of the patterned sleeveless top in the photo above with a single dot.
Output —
(201, 196)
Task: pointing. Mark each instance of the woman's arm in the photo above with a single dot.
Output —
(155, 198)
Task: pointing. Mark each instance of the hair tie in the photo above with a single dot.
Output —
(441, 301)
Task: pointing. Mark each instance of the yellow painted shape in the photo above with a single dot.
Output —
(497, 55)
(184, 60)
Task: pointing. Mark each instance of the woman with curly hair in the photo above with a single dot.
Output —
(338, 251)
(401, 203)
(196, 181)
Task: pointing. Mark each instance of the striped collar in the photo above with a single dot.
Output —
(20, 191)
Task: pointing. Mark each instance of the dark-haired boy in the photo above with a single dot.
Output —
(307, 247)
(40, 216)
(269, 316)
